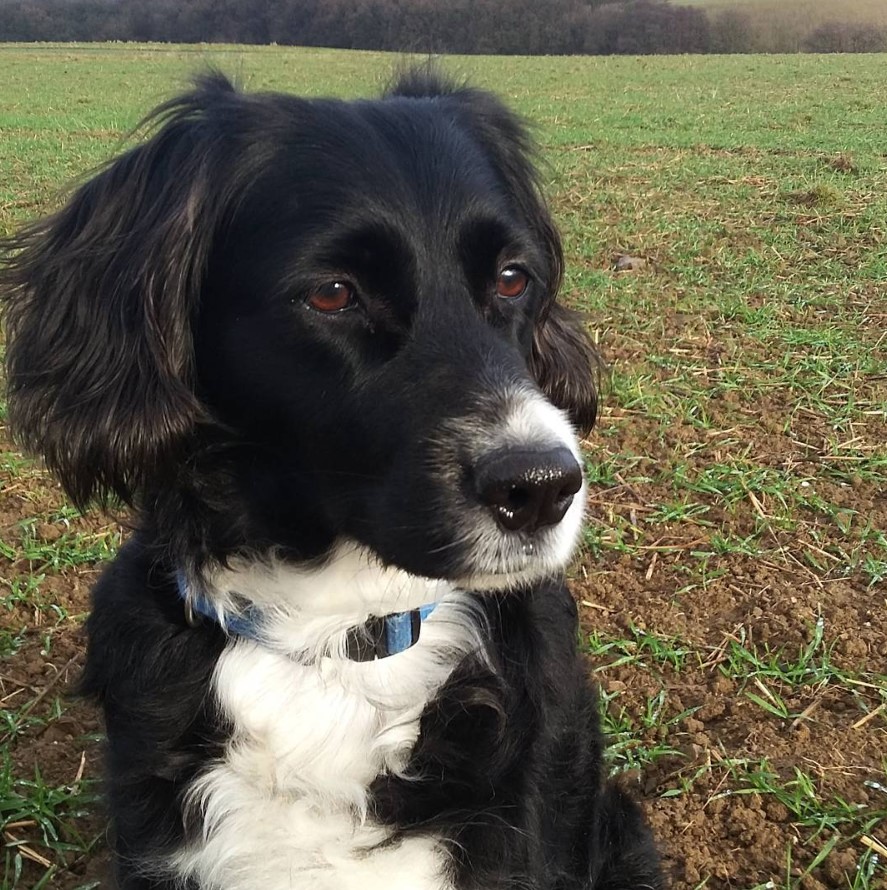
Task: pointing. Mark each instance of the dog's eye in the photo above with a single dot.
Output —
(334, 296)
(512, 282)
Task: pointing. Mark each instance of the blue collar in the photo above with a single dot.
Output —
(379, 637)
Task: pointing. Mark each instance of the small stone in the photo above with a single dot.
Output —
(693, 726)
(627, 263)
(776, 811)
(48, 532)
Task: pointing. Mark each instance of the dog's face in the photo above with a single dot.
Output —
(351, 303)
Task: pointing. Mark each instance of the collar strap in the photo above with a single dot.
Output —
(378, 637)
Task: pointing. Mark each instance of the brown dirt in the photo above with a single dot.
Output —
(773, 602)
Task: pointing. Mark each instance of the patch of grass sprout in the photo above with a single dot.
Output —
(40, 820)
(678, 512)
(23, 590)
(641, 648)
(627, 732)
(10, 643)
(829, 817)
(767, 675)
(69, 550)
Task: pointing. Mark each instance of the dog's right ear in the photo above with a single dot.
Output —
(99, 298)
(566, 365)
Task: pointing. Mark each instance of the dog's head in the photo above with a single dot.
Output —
(348, 306)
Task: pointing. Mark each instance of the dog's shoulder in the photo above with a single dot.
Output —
(145, 664)
(137, 612)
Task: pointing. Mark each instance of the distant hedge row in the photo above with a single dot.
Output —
(532, 27)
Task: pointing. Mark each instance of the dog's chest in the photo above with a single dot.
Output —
(286, 807)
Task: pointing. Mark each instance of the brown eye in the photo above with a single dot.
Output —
(334, 296)
(512, 282)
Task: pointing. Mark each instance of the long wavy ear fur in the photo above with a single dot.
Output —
(98, 301)
(566, 365)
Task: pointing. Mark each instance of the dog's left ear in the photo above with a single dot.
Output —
(566, 365)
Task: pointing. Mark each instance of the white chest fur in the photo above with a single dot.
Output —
(286, 807)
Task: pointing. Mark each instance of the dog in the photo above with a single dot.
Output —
(314, 345)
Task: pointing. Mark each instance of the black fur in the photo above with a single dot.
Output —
(516, 760)
(161, 353)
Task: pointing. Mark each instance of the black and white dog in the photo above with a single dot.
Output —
(315, 345)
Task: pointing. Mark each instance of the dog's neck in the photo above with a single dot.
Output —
(313, 611)
(379, 637)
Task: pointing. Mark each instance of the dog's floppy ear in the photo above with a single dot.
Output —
(566, 365)
(99, 299)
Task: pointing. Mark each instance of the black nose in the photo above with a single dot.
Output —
(526, 490)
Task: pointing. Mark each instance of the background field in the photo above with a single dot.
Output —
(732, 580)
(813, 10)
(784, 26)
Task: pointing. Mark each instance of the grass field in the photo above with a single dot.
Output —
(733, 579)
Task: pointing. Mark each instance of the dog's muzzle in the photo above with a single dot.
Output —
(526, 490)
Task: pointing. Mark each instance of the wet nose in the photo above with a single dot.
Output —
(526, 490)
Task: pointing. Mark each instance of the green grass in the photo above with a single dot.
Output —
(741, 446)
(51, 813)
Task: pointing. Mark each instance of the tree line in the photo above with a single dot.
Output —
(531, 27)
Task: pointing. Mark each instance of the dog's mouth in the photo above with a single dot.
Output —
(498, 558)
(529, 504)
(497, 505)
